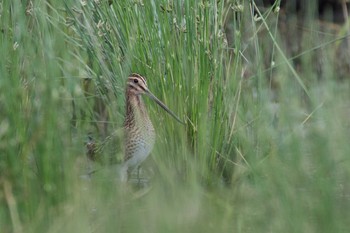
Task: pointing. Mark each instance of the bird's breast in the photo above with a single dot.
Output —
(139, 143)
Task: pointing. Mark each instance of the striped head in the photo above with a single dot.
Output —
(136, 85)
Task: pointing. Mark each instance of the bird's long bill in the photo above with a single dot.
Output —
(160, 103)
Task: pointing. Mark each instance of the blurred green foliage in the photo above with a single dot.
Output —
(265, 147)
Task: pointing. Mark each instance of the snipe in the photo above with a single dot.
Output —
(138, 129)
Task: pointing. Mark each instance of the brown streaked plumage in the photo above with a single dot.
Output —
(138, 129)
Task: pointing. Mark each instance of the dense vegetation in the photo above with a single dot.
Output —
(265, 97)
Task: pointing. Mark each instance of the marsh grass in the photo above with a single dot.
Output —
(265, 146)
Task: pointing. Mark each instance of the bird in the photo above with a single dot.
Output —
(139, 133)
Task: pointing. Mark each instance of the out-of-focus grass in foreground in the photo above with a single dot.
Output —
(266, 142)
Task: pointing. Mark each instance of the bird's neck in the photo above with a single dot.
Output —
(136, 111)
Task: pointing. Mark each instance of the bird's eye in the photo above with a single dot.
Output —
(136, 81)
